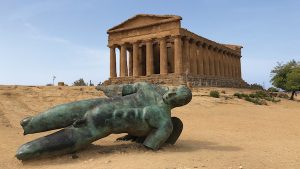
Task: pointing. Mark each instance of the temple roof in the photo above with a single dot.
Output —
(234, 47)
(142, 20)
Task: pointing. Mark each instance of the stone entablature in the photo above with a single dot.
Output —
(155, 46)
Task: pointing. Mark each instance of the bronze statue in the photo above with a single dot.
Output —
(142, 110)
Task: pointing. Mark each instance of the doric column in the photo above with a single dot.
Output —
(200, 56)
(113, 72)
(197, 58)
(178, 54)
(140, 59)
(211, 62)
(126, 64)
(149, 58)
(225, 64)
(163, 56)
(234, 67)
(193, 58)
(239, 68)
(230, 65)
(206, 60)
(221, 64)
(186, 56)
(217, 65)
(135, 56)
(123, 61)
(130, 63)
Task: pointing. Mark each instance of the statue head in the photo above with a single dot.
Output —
(178, 96)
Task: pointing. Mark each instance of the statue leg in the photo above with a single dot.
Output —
(177, 129)
(65, 141)
(59, 116)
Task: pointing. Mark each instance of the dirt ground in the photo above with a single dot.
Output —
(218, 133)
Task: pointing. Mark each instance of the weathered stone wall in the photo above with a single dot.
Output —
(174, 80)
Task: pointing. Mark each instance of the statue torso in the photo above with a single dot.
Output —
(128, 114)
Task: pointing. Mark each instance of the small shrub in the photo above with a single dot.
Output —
(276, 100)
(273, 94)
(256, 86)
(272, 99)
(258, 98)
(252, 95)
(262, 94)
(227, 97)
(214, 93)
(263, 102)
(273, 89)
(237, 95)
(283, 95)
(80, 82)
(240, 95)
(244, 95)
(248, 99)
(257, 101)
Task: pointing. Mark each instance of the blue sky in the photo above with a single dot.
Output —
(67, 38)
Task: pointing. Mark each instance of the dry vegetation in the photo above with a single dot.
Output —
(224, 132)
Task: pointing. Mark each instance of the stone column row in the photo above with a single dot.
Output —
(190, 57)
(134, 59)
(203, 59)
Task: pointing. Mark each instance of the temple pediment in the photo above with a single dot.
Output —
(143, 20)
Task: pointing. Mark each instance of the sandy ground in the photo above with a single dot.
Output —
(218, 133)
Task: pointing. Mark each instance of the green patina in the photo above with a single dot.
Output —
(142, 110)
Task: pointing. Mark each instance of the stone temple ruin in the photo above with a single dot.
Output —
(156, 49)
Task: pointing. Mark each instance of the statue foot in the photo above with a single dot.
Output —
(25, 121)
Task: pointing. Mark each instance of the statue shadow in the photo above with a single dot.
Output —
(194, 145)
(86, 155)
(98, 151)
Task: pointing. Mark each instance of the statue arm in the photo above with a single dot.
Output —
(162, 126)
(111, 90)
(121, 90)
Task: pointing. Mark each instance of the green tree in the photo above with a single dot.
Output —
(287, 77)
(293, 81)
(80, 82)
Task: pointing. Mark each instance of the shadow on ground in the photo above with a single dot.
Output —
(99, 151)
(193, 145)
